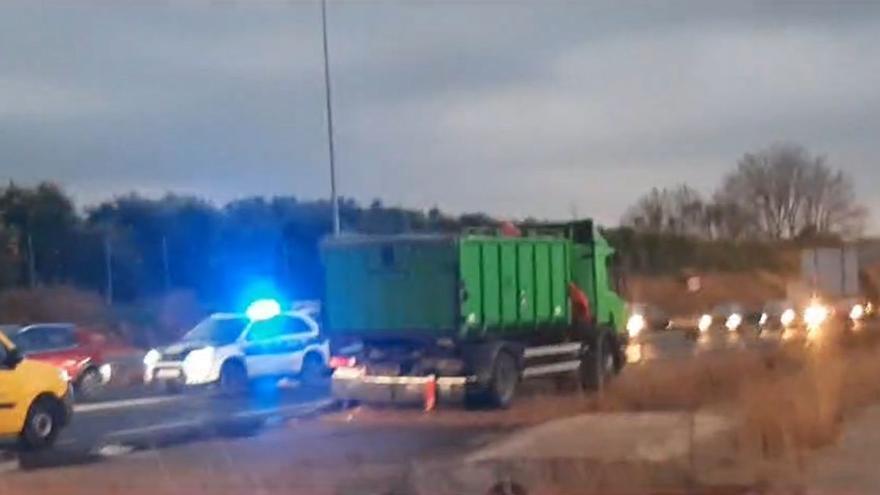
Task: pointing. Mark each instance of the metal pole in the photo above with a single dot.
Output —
(32, 263)
(108, 264)
(165, 268)
(332, 154)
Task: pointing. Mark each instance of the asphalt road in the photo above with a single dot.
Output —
(193, 429)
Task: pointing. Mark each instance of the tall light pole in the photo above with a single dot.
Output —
(332, 154)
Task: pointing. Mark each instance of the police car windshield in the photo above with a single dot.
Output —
(217, 330)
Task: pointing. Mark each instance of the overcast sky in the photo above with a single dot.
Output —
(514, 108)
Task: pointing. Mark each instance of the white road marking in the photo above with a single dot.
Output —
(283, 411)
(154, 428)
(293, 409)
(123, 404)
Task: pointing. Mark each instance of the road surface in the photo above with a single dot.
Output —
(168, 444)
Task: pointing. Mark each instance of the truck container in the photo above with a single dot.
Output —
(471, 314)
(471, 287)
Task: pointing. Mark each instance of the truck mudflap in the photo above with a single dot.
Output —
(352, 384)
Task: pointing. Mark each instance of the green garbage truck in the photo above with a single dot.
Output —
(470, 316)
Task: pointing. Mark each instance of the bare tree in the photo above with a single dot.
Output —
(785, 191)
(677, 211)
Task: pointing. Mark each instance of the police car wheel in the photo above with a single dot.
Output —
(312, 369)
(233, 378)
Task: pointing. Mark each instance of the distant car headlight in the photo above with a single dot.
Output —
(787, 318)
(815, 315)
(733, 321)
(764, 318)
(152, 358)
(857, 312)
(705, 323)
(635, 325)
(198, 363)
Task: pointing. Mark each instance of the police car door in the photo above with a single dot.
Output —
(273, 345)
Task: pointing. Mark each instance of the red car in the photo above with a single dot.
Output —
(90, 359)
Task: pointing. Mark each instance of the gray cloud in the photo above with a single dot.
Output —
(514, 108)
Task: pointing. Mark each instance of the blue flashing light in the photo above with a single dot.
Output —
(263, 309)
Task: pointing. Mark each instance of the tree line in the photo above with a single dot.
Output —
(133, 247)
(782, 192)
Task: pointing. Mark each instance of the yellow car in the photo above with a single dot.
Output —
(35, 400)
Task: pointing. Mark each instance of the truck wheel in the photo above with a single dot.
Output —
(505, 378)
(233, 378)
(598, 367)
(42, 424)
(89, 384)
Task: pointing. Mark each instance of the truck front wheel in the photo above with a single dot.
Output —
(598, 366)
(505, 378)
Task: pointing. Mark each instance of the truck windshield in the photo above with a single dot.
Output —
(217, 330)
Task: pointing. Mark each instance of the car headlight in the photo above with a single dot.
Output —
(787, 318)
(733, 321)
(64, 375)
(763, 320)
(857, 312)
(198, 363)
(815, 315)
(705, 323)
(152, 358)
(635, 325)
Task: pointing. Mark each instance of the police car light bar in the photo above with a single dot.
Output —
(263, 309)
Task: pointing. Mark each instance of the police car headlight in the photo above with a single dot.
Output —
(198, 363)
(152, 358)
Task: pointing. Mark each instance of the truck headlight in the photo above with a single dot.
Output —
(705, 323)
(152, 358)
(198, 363)
(635, 325)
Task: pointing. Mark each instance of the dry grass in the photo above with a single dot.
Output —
(752, 289)
(788, 401)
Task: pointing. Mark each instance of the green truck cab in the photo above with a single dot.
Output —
(471, 314)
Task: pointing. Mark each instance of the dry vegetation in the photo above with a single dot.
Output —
(788, 400)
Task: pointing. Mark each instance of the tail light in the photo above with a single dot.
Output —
(342, 362)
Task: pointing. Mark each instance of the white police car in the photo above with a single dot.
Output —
(232, 350)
